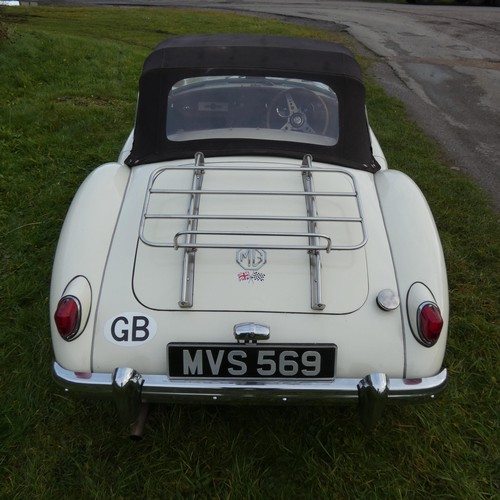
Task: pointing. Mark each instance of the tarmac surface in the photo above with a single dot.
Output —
(442, 61)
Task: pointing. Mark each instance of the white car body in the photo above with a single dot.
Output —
(254, 269)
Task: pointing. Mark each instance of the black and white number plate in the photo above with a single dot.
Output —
(251, 361)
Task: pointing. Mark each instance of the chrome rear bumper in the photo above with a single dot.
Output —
(128, 389)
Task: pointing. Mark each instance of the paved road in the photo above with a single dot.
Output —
(443, 62)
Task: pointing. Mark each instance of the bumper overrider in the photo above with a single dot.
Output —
(130, 389)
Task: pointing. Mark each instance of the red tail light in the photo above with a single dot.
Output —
(68, 316)
(430, 323)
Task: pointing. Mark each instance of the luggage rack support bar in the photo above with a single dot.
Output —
(187, 289)
(314, 255)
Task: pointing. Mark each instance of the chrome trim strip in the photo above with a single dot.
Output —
(159, 388)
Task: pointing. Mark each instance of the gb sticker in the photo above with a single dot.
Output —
(130, 329)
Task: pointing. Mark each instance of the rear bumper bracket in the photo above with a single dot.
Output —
(373, 391)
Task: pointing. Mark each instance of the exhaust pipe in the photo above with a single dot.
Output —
(136, 432)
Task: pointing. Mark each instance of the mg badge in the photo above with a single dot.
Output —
(251, 259)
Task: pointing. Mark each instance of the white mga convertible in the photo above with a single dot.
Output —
(250, 244)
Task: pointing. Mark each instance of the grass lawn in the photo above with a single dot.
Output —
(68, 85)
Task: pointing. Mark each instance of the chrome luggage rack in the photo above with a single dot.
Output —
(188, 239)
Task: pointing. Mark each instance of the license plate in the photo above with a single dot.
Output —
(251, 361)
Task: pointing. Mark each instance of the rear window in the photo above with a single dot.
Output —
(243, 107)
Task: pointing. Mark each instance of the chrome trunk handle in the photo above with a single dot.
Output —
(251, 331)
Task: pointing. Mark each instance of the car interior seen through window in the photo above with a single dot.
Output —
(246, 107)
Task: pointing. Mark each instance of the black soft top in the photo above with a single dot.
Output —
(184, 57)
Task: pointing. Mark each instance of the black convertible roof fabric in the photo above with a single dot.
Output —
(258, 52)
(251, 55)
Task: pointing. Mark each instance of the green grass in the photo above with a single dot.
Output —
(68, 86)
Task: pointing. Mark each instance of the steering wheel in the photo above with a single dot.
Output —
(299, 110)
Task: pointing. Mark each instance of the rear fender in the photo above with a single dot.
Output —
(81, 252)
(418, 258)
